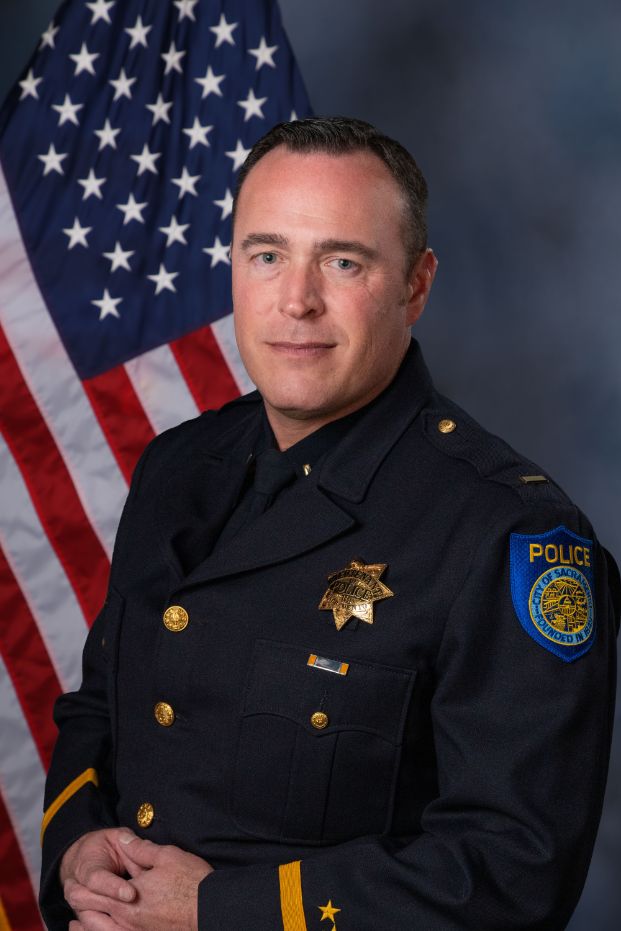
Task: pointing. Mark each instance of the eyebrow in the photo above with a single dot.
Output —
(324, 245)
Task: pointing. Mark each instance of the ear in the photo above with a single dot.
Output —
(420, 281)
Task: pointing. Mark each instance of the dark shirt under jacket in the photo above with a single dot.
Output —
(444, 768)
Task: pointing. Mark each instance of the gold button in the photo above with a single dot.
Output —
(145, 815)
(319, 720)
(164, 714)
(176, 618)
(447, 426)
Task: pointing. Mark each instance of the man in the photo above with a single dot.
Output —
(356, 664)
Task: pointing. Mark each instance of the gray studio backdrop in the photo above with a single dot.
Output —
(513, 111)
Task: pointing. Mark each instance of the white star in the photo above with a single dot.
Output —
(132, 210)
(122, 86)
(264, 54)
(138, 33)
(225, 205)
(77, 234)
(211, 83)
(107, 136)
(84, 60)
(163, 280)
(174, 232)
(238, 154)
(293, 117)
(52, 160)
(146, 160)
(252, 105)
(223, 31)
(186, 8)
(186, 183)
(100, 10)
(67, 111)
(119, 257)
(160, 109)
(107, 305)
(92, 185)
(29, 86)
(47, 38)
(173, 59)
(218, 252)
(198, 133)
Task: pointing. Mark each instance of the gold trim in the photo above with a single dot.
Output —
(291, 904)
(4, 920)
(89, 775)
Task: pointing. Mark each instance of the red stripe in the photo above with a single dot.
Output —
(121, 416)
(28, 663)
(204, 369)
(16, 889)
(51, 488)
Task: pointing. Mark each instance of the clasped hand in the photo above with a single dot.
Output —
(160, 892)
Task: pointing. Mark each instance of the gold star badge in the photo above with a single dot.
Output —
(328, 911)
(353, 590)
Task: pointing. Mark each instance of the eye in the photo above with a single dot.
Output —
(267, 258)
(344, 265)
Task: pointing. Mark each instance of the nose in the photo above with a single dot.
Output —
(300, 294)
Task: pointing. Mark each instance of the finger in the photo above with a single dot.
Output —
(143, 853)
(76, 926)
(81, 898)
(97, 921)
(106, 883)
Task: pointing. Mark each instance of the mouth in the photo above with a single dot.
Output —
(301, 350)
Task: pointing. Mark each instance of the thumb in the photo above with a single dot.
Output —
(142, 853)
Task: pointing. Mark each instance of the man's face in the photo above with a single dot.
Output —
(321, 295)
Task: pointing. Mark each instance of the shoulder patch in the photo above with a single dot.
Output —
(553, 591)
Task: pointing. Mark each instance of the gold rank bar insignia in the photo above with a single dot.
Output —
(352, 591)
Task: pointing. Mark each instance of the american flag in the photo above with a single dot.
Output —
(118, 153)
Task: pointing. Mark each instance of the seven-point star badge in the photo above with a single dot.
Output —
(352, 591)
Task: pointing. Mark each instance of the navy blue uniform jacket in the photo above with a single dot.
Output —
(458, 779)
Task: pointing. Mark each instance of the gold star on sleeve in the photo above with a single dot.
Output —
(328, 911)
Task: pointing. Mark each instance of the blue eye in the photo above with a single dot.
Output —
(345, 264)
(268, 258)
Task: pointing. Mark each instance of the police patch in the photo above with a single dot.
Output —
(552, 590)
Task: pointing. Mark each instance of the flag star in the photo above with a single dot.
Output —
(48, 37)
(122, 86)
(107, 305)
(146, 160)
(225, 205)
(100, 10)
(29, 86)
(132, 210)
(239, 155)
(211, 83)
(77, 234)
(67, 111)
(119, 257)
(107, 136)
(52, 160)
(218, 252)
(163, 280)
(92, 185)
(186, 8)
(84, 60)
(252, 105)
(173, 59)
(293, 117)
(223, 31)
(138, 33)
(160, 109)
(264, 54)
(198, 133)
(186, 183)
(174, 232)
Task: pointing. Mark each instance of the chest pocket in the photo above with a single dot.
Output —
(318, 752)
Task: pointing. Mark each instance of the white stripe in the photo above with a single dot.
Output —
(21, 776)
(161, 388)
(54, 384)
(224, 332)
(41, 577)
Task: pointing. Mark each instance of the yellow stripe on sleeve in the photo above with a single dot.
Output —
(4, 921)
(89, 775)
(291, 904)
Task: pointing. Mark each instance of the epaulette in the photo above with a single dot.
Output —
(451, 430)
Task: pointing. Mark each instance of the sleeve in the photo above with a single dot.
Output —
(522, 740)
(79, 791)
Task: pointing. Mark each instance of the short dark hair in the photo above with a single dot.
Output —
(339, 135)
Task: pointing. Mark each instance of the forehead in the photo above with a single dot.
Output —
(355, 186)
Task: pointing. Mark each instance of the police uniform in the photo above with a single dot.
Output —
(386, 702)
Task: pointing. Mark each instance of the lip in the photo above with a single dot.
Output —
(308, 349)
